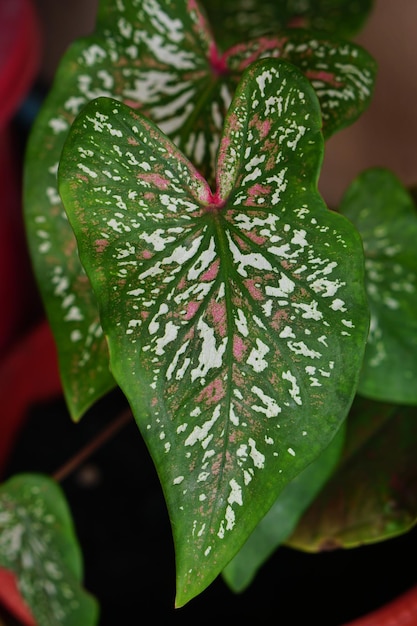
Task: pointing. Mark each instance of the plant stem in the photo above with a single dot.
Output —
(107, 433)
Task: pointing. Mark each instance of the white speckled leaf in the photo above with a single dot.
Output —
(385, 215)
(236, 319)
(38, 544)
(342, 73)
(159, 57)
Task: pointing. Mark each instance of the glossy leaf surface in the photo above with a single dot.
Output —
(372, 496)
(37, 543)
(280, 521)
(236, 318)
(160, 57)
(239, 20)
(386, 216)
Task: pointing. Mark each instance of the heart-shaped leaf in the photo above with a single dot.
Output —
(282, 518)
(37, 543)
(158, 56)
(236, 319)
(240, 20)
(385, 215)
(372, 495)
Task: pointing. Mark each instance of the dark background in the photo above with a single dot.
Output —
(123, 527)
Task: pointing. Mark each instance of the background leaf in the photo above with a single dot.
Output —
(385, 215)
(342, 73)
(282, 518)
(372, 496)
(161, 58)
(240, 20)
(38, 544)
(237, 318)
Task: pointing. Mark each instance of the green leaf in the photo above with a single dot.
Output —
(240, 20)
(372, 495)
(282, 517)
(38, 544)
(160, 57)
(236, 319)
(385, 215)
(342, 73)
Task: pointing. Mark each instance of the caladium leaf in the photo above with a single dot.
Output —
(385, 215)
(342, 74)
(160, 57)
(38, 544)
(239, 20)
(282, 518)
(372, 495)
(236, 318)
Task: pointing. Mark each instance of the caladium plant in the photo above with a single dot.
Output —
(161, 58)
(236, 317)
(187, 257)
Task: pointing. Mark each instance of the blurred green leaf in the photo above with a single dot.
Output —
(372, 496)
(240, 20)
(38, 544)
(385, 215)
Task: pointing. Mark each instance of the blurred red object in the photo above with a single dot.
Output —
(28, 364)
(20, 53)
(12, 600)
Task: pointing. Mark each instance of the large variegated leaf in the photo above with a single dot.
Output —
(239, 20)
(281, 520)
(372, 495)
(38, 544)
(386, 217)
(236, 319)
(158, 56)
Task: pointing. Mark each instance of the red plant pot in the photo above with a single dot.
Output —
(400, 612)
(20, 47)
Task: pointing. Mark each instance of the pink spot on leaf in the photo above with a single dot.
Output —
(252, 285)
(255, 192)
(325, 77)
(239, 348)
(101, 245)
(217, 311)
(156, 179)
(256, 238)
(212, 393)
(242, 55)
(192, 309)
(212, 272)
